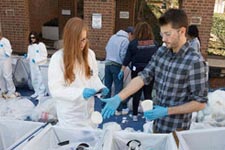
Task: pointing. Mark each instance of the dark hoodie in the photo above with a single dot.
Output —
(139, 53)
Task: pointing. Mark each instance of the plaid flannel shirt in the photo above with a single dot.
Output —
(179, 78)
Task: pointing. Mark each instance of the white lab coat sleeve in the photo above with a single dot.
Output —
(7, 47)
(42, 55)
(97, 83)
(56, 82)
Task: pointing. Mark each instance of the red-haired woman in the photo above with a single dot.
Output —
(73, 77)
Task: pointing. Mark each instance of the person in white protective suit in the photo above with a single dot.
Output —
(7, 86)
(73, 77)
(37, 55)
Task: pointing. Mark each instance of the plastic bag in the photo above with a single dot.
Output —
(18, 108)
(45, 111)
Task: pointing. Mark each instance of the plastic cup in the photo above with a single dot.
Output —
(147, 105)
(96, 117)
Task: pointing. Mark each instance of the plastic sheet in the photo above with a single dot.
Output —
(18, 108)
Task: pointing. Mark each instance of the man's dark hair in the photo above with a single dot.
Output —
(176, 17)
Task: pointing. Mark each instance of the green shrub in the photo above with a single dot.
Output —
(218, 27)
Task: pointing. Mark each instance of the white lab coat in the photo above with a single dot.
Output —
(38, 52)
(6, 82)
(72, 109)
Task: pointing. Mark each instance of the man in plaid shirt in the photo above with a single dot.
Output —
(181, 80)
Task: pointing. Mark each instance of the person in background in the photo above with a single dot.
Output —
(37, 55)
(193, 38)
(180, 73)
(130, 31)
(116, 49)
(73, 77)
(7, 86)
(139, 53)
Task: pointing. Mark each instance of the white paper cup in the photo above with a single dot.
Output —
(96, 117)
(147, 105)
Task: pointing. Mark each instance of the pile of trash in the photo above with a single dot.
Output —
(22, 108)
(214, 113)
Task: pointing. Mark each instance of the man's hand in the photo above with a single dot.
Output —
(88, 92)
(111, 105)
(157, 112)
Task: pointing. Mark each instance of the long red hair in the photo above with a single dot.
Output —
(72, 53)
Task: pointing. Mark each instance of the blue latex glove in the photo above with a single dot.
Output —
(88, 92)
(25, 56)
(1, 45)
(33, 61)
(111, 105)
(120, 75)
(104, 91)
(37, 51)
(157, 112)
(6, 55)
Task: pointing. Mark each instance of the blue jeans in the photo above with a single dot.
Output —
(111, 76)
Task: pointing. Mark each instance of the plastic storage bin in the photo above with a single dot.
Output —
(57, 138)
(204, 139)
(123, 140)
(12, 132)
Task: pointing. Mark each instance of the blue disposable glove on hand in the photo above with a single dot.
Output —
(157, 112)
(104, 91)
(111, 105)
(25, 56)
(6, 55)
(88, 92)
(33, 61)
(120, 75)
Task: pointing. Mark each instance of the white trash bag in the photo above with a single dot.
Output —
(45, 111)
(142, 141)
(18, 108)
(58, 138)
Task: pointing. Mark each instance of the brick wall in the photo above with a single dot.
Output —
(42, 11)
(18, 17)
(14, 17)
(99, 37)
(16, 24)
(127, 6)
(204, 10)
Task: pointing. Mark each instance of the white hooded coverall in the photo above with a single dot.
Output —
(6, 81)
(38, 53)
(72, 109)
